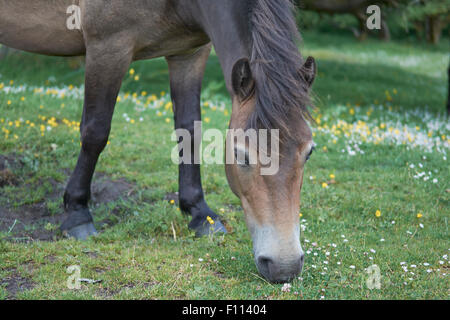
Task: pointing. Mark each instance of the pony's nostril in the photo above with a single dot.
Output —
(302, 260)
(265, 262)
(266, 266)
(276, 272)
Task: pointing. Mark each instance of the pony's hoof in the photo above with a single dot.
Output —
(208, 229)
(81, 232)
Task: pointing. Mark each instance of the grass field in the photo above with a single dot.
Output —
(376, 193)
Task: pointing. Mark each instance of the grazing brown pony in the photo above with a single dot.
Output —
(264, 73)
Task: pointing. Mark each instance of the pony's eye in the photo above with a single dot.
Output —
(310, 153)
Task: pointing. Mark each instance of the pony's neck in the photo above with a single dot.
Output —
(227, 25)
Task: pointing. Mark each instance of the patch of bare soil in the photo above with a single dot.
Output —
(7, 165)
(105, 190)
(105, 293)
(172, 196)
(15, 284)
(35, 222)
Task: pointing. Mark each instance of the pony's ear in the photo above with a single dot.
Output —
(242, 79)
(309, 71)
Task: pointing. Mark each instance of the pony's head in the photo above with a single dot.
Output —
(267, 176)
(270, 92)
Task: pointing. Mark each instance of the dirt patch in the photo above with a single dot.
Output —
(105, 190)
(50, 259)
(36, 222)
(172, 197)
(10, 162)
(106, 293)
(29, 223)
(7, 165)
(15, 284)
(219, 274)
(7, 178)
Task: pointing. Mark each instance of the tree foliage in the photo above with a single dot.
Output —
(426, 18)
(421, 10)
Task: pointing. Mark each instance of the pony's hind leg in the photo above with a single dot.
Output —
(186, 75)
(104, 74)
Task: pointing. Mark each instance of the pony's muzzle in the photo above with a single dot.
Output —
(279, 271)
(278, 254)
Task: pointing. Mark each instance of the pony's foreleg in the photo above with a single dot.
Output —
(104, 74)
(186, 75)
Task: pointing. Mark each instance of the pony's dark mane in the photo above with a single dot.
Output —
(280, 90)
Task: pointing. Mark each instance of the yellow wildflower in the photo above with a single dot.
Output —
(168, 105)
(210, 220)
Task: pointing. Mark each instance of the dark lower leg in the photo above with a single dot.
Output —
(186, 75)
(103, 80)
(191, 196)
(77, 194)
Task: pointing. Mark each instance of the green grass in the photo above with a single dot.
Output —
(388, 86)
